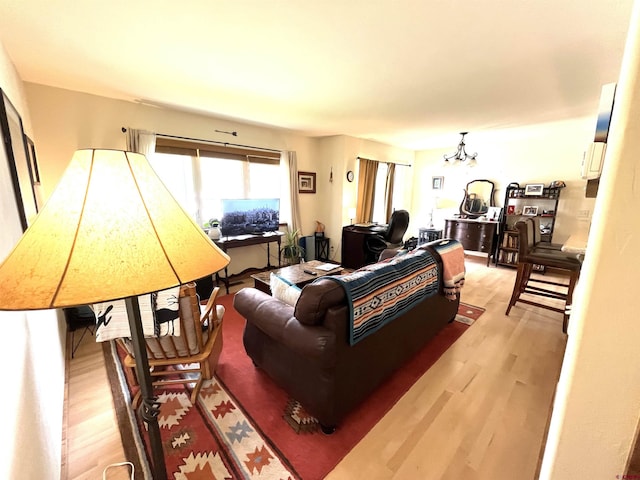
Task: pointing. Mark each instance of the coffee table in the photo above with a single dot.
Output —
(294, 274)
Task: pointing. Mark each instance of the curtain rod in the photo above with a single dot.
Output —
(380, 161)
(124, 130)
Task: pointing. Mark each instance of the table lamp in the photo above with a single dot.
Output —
(110, 230)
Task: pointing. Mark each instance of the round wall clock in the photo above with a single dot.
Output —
(350, 176)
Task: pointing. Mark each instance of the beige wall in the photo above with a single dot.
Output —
(32, 351)
(598, 397)
(536, 154)
(65, 121)
(340, 152)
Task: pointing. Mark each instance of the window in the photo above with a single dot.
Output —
(199, 176)
(401, 184)
(176, 172)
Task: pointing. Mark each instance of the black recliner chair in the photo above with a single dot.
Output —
(393, 237)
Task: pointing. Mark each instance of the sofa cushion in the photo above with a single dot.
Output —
(316, 298)
(284, 290)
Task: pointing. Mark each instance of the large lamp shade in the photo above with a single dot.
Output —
(110, 230)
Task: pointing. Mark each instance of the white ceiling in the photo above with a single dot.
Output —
(401, 72)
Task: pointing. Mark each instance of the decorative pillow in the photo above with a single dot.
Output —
(160, 312)
(284, 290)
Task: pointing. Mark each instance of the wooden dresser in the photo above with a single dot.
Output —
(474, 235)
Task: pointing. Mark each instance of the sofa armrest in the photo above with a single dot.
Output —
(276, 319)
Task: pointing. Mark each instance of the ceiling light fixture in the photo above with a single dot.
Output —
(461, 154)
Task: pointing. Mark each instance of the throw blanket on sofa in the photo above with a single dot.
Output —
(453, 270)
(379, 293)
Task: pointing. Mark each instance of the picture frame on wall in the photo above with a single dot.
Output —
(12, 216)
(33, 161)
(437, 183)
(15, 150)
(306, 182)
(534, 189)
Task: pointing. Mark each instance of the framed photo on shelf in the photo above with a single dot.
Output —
(534, 189)
(530, 211)
(306, 182)
(437, 183)
(511, 210)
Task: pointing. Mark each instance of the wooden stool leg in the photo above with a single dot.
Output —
(573, 279)
(518, 286)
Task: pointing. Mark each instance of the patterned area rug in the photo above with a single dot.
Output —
(245, 426)
(213, 439)
(468, 314)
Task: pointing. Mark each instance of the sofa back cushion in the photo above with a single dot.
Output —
(316, 298)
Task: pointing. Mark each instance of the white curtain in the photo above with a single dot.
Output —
(141, 141)
(289, 207)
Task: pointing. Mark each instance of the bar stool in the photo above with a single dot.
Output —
(537, 238)
(528, 256)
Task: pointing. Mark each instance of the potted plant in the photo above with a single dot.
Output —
(291, 250)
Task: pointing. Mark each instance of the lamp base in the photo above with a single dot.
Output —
(149, 408)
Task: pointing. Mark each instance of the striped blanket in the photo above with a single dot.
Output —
(453, 269)
(379, 293)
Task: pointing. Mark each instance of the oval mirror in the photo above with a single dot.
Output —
(478, 197)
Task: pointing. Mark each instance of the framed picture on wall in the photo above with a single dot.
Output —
(306, 182)
(15, 150)
(437, 183)
(12, 216)
(33, 161)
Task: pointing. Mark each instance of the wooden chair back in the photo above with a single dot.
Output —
(194, 353)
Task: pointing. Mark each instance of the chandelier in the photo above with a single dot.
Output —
(461, 154)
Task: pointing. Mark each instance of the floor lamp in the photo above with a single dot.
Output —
(110, 230)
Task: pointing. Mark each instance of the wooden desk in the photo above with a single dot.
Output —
(228, 242)
(354, 253)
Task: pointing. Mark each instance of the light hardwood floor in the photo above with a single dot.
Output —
(480, 412)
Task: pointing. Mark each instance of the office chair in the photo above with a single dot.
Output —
(391, 238)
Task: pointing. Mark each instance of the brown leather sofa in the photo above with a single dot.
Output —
(306, 349)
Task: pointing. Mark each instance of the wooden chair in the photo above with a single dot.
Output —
(537, 237)
(528, 256)
(194, 353)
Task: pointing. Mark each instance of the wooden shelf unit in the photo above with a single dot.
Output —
(515, 200)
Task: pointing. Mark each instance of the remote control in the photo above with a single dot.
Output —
(310, 272)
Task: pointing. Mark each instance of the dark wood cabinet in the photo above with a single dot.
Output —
(474, 235)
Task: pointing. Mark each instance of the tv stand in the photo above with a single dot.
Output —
(235, 241)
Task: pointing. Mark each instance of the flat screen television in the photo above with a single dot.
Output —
(249, 216)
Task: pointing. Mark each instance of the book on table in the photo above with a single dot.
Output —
(328, 267)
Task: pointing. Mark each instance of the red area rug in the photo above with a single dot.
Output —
(245, 426)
